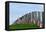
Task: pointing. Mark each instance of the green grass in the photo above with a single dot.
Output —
(23, 26)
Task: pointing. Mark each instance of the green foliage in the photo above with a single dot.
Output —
(23, 26)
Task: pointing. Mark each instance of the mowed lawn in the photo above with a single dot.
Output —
(23, 26)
